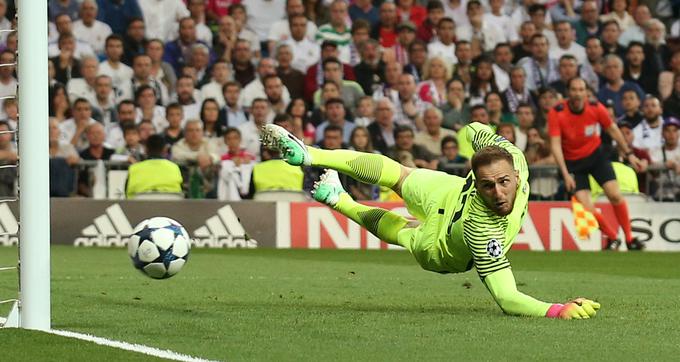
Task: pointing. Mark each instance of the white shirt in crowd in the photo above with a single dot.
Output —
(213, 90)
(250, 137)
(119, 75)
(490, 35)
(82, 49)
(161, 17)
(203, 33)
(255, 89)
(575, 49)
(657, 155)
(305, 53)
(438, 49)
(505, 23)
(94, 35)
(67, 130)
(78, 88)
(459, 14)
(158, 119)
(647, 137)
(7, 89)
(264, 14)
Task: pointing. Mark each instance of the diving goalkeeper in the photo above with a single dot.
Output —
(459, 226)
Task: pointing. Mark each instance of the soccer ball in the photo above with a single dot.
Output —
(159, 247)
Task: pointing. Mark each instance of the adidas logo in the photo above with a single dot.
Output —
(9, 227)
(223, 230)
(110, 229)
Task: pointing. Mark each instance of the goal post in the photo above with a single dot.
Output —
(34, 193)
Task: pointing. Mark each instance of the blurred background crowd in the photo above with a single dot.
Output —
(399, 78)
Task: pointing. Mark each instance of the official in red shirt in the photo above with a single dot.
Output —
(574, 127)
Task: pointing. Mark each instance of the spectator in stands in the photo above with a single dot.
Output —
(436, 73)
(635, 72)
(417, 56)
(632, 115)
(502, 64)
(58, 7)
(433, 133)
(273, 90)
(8, 156)
(260, 113)
(363, 10)
(610, 39)
(411, 11)
(523, 49)
(382, 130)
(300, 123)
(593, 69)
(478, 113)
(360, 140)
(329, 91)
(225, 38)
(156, 174)
(132, 151)
(118, 15)
(134, 40)
(409, 106)
(525, 120)
(648, 132)
(199, 63)
(96, 149)
(232, 113)
(445, 46)
(62, 157)
(177, 51)
(217, 9)
(482, 35)
(66, 65)
(188, 97)
(104, 105)
(568, 69)
(365, 113)
(174, 115)
(435, 12)
(161, 16)
(84, 86)
(547, 98)
(220, 76)
(385, 30)
(589, 24)
(335, 115)
(482, 81)
(194, 148)
(8, 84)
(314, 77)
(566, 43)
(672, 103)
(332, 140)
(517, 92)
(350, 90)
(197, 12)
(502, 21)
(141, 69)
(494, 106)
(337, 30)
(540, 68)
(668, 156)
(450, 160)
(148, 110)
(65, 26)
(614, 86)
(457, 108)
(293, 79)
(11, 110)
(242, 29)
(667, 78)
(89, 29)
(361, 32)
(538, 16)
(236, 168)
(636, 32)
(406, 35)
(409, 154)
(213, 126)
(618, 11)
(244, 70)
(657, 53)
(145, 130)
(280, 30)
(161, 71)
(112, 65)
(543, 182)
(370, 71)
(456, 10)
(126, 115)
(255, 89)
(507, 131)
(73, 129)
(305, 51)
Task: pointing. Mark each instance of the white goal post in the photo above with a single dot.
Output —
(34, 190)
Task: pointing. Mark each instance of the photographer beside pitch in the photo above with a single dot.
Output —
(574, 128)
(458, 226)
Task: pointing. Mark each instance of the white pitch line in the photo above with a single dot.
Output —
(151, 351)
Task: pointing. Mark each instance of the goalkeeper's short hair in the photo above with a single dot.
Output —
(488, 155)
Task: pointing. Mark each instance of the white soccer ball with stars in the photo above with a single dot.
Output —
(159, 247)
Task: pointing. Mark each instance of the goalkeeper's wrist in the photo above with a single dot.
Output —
(554, 311)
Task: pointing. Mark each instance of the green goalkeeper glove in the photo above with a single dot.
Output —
(579, 308)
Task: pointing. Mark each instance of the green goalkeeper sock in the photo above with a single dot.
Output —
(365, 167)
(380, 222)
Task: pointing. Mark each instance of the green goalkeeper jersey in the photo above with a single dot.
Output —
(474, 229)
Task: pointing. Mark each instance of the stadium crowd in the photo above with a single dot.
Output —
(399, 78)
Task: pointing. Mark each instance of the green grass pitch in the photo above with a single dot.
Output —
(350, 305)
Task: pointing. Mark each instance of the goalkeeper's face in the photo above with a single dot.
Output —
(497, 183)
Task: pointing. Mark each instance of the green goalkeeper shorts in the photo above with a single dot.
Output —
(431, 197)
